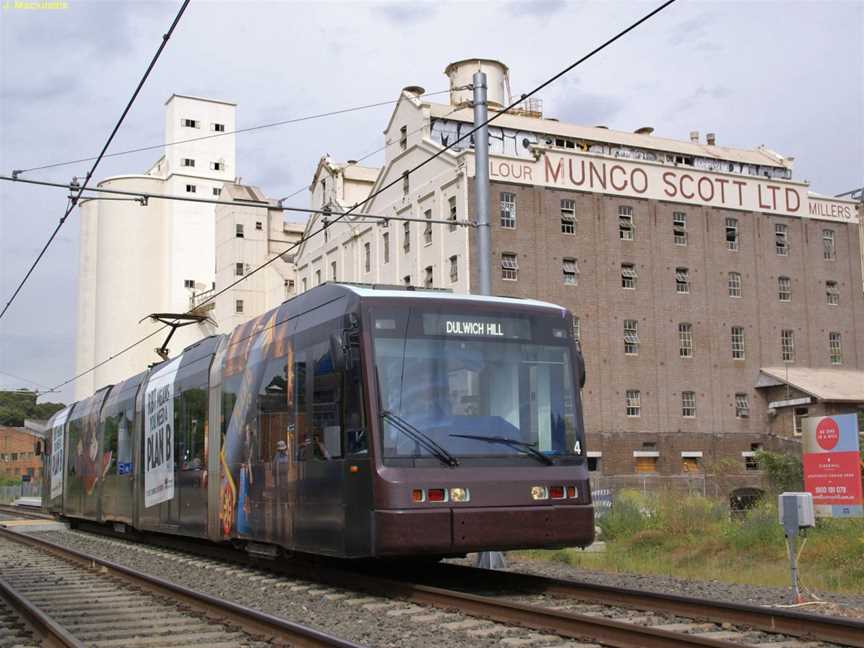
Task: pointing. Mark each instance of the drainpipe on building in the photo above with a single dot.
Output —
(485, 559)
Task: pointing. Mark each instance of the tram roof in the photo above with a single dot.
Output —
(395, 292)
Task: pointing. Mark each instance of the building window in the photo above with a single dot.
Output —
(784, 289)
(834, 348)
(508, 210)
(406, 237)
(679, 228)
(454, 269)
(189, 123)
(259, 225)
(832, 293)
(570, 269)
(217, 166)
(509, 266)
(406, 280)
(632, 402)
(568, 216)
(742, 405)
(798, 420)
(239, 268)
(305, 284)
(688, 404)
(428, 281)
(781, 239)
(367, 257)
(385, 238)
(737, 342)
(217, 191)
(190, 188)
(631, 337)
(187, 162)
(829, 253)
(629, 276)
(787, 345)
(451, 202)
(406, 183)
(646, 464)
(689, 463)
(238, 305)
(685, 340)
(188, 283)
(577, 329)
(219, 128)
(594, 464)
(682, 281)
(427, 231)
(332, 271)
(732, 234)
(317, 277)
(238, 230)
(734, 284)
(626, 228)
(403, 138)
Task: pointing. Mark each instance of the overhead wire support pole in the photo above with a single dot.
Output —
(74, 200)
(481, 183)
(387, 186)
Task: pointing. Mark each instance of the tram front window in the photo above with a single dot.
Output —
(476, 386)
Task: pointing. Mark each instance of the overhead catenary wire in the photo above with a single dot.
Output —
(249, 129)
(73, 201)
(434, 156)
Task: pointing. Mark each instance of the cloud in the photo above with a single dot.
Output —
(404, 13)
(539, 8)
(697, 96)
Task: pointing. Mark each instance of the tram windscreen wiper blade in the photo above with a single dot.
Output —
(423, 439)
(521, 446)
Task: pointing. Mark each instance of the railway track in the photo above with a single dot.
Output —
(549, 609)
(72, 599)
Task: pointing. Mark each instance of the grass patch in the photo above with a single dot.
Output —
(696, 538)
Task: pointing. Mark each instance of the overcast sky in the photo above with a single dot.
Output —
(785, 74)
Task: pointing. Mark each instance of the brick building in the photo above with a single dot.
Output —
(695, 271)
(18, 454)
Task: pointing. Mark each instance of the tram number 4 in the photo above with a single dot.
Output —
(577, 447)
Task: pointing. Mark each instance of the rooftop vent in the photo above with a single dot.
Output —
(644, 130)
(711, 139)
(461, 75)
(694, 137)
(414, 90)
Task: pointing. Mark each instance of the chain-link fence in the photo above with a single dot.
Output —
(9, 494)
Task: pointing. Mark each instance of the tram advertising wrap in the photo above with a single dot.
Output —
(57, 453)
(158, 438)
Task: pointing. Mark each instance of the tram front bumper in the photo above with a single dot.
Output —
(465, 529)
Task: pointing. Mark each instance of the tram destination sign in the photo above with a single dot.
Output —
(159, 435)
(832, 465)
(474, 326)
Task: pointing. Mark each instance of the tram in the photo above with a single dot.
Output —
(352, 421)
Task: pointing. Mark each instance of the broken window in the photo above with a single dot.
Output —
(679, 228)
(784, 289)
(731, 233)
(742, 405)
(787, 345)
(734, 284)
(737, 342)
(427, 231)
(682, 280)
(781, 239)
(452, 204)
(508, 210)
(631, 337)
(509, 266)
(629, 276)
(626, 227)
(570, 269)
(832, 293)
(568, 216)
(454, 269)
(828, 251)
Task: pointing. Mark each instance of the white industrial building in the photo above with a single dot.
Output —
(167, 256)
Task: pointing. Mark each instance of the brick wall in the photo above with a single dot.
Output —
(18, 454)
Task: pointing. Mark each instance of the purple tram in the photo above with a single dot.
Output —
(352, 421)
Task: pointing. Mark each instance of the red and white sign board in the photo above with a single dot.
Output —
(832, 465)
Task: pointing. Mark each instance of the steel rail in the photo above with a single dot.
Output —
(249, 620)
(847, 632)
(32, 513)
(51, 632)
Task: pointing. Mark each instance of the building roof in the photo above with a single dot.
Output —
(364, 291)
(834, 385)
(206, 99)
(760, 156)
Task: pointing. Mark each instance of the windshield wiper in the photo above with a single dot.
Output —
(520, 446)
(421, 438)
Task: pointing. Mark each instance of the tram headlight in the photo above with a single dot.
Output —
(459, 495)
(539, 493)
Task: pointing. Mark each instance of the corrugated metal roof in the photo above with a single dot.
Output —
(622, 138)
(835, 385)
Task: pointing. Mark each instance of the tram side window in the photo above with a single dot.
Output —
(326, 404)
(189, 434)
(273, 412)
(356, 436)
(300, 421)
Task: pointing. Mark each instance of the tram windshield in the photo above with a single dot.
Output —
(460, 385)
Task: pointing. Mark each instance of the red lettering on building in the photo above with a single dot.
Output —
(670, 189)
(705, 194)
(554, 172)
(686, 176)
(612, 171)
